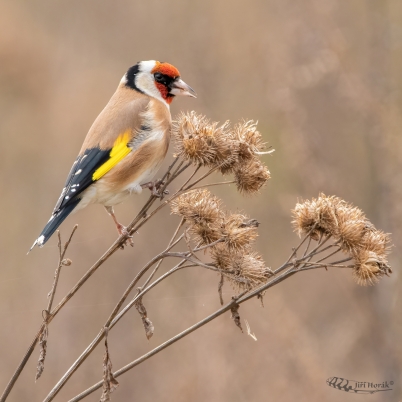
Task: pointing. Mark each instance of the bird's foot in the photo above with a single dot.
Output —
(155, 187)
(122, 230)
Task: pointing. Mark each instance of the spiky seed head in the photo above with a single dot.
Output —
(202, 142)
(203, 211)
(239, 231)
(376, 241)
(316, 216)
(351, 226)
(354, 233)
(244, 269)
(249, 140)
(369, 267)
(198, 206)
(251, 176)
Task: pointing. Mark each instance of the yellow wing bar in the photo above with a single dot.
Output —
(117, 153)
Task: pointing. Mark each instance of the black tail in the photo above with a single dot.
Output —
(54, 222)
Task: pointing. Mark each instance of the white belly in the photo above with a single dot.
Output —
(99, 193)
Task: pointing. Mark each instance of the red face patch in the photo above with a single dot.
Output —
(166, 68)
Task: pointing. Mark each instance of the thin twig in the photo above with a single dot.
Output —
(308, 246)
(329, 255)
(174, 339)
(191, 176)
(31, 348)
(62, 253)
(160, 261)
(115, 246)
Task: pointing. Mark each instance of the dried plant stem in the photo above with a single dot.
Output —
(134, 282)
(307, 247)
(235, 301)
(62, 253)
(160, 261)
(191, 176)
(185, 257)
(210, 171)
(113, 318)
(213, 184)
(329, 255)
(295, 250)
(318, 265)
(115, 246)
(31, 348)
(137, 222)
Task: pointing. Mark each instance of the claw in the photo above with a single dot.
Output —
(122, 230)
(154, 186)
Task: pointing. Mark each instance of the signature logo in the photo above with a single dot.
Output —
(359, 387)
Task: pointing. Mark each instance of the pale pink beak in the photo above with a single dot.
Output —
(179, 87)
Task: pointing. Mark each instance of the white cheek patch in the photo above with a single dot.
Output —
(145, 82)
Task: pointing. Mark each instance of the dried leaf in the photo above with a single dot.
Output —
(260, 297)
(236, 316)
(42, 351)
(249, 331)
(109, 382)
(148, 326)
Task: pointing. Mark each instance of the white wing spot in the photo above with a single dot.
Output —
(78, 172)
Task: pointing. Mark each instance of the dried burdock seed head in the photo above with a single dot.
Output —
(239, 231)
(254, 269)
(316, 216)
(251, 176)
(369, 267)
(198, 206)
(203, 211)
(351, 226)
(353, 232)
(202, 142)
(221, 256)
(376, 241)
(205, 233)
(250, 141)
(244, 269)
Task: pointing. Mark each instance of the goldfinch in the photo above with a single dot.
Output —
(125, 146)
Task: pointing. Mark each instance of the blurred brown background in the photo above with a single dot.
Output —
(323, 79)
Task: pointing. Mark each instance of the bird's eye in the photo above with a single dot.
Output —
(158, 77)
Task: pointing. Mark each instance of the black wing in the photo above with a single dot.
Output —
(80, 176)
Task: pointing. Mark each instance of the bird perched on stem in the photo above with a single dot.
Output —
(125, 146)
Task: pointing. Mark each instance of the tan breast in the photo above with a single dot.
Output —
(149, 145)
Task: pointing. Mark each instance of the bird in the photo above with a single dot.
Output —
(125, 145)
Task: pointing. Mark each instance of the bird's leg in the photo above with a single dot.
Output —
(122, 230)
(154, 186)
